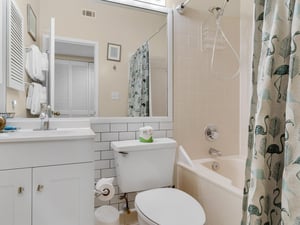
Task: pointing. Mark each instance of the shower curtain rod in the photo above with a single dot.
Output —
(156, 32)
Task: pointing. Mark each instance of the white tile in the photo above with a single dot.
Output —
(108, 173)
(107, 155)
(166, 125)
(154, 125)
(102, 164)
(97, 137)
(126, 136)
(102, 146)
(118, 127)
(109, 136)
(134, 126)
(96, 155)
(170, 133)
(159, 134)
(97, 174)
(115, 200)
(112, 164)
(101, 127)
(99, 203)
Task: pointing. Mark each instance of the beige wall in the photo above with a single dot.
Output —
(199, 97)
(246, 61)
(12, 94)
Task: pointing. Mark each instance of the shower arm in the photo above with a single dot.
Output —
(180, 7)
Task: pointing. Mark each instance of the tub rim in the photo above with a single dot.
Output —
(211, 176)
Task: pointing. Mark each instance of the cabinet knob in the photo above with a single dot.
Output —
(20, 190)
(40, 188)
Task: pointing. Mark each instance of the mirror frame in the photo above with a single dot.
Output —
(3, 57)
(98, 118)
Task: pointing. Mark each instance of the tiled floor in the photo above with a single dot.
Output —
(129, 219)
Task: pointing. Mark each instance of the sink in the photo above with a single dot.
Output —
(25, 135)
(33, 148)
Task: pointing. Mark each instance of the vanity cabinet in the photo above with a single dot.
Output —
(47, 181)
(47, 195)
(15, 197)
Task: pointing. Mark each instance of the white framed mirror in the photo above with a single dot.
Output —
(73, 24)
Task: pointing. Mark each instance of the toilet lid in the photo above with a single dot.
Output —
(169, 206)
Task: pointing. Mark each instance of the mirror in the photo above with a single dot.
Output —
(119, 32)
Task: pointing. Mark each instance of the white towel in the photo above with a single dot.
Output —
(33, 64)
(39, 96)
(29, 96)
(44, 62)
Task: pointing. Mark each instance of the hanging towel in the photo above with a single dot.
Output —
(33, 64)
(39, 96)
(29, 96)
(44, 62)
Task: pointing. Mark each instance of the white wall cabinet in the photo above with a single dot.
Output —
(47, 195)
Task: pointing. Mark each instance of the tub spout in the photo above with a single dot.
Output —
(214, 152)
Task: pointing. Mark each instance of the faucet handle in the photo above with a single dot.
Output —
(56, 113)
(214, 152)
(211, 133)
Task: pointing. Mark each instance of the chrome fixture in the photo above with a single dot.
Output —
(218, 11)
(211, 133)
(180, 8)
(214, 152)
(44, 116)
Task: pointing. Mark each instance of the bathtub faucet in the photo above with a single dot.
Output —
(214, 152)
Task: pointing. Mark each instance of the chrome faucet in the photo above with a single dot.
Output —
(44, 116)
(214, 152)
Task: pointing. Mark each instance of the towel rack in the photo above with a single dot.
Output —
(28, 49)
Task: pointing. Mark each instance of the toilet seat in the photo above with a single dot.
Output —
(169, 206)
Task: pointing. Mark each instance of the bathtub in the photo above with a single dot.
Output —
(217, 183)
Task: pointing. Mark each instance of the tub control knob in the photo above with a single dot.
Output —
(211, 133)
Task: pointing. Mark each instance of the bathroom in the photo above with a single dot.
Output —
(195, 101)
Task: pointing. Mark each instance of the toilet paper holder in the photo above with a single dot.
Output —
(104, 192)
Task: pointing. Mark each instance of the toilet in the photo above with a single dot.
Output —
(148, 168)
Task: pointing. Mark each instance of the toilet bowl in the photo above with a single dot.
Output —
(168, 206)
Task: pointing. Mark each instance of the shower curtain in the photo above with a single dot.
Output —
(272, 183)
(138, 93)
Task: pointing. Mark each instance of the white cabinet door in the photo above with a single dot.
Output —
(15, 197)
(63, 195)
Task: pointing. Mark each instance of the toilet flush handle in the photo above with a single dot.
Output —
(123, 153)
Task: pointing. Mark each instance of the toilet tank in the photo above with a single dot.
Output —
(142, 166)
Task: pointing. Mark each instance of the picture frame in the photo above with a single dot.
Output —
(31, 23)
(114, 52)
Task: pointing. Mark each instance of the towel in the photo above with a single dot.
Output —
(37, 94)
(29, 96)
(44, 62)
(33, 64)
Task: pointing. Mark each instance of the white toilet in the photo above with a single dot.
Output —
(148, 167)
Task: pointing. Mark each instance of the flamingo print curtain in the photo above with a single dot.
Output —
(138, 93)
(272, 182)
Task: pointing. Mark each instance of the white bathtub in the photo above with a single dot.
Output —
(220, 192)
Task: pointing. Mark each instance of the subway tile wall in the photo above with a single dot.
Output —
(104, 158)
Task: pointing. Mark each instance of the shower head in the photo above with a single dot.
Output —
(180, 7)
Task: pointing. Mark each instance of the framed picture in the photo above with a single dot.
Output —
(31, 22)
(114, 52)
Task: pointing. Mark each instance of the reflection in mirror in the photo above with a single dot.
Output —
(130, 28)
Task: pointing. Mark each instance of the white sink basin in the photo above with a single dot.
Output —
(24, 135)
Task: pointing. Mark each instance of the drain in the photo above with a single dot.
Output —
(215, 166)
